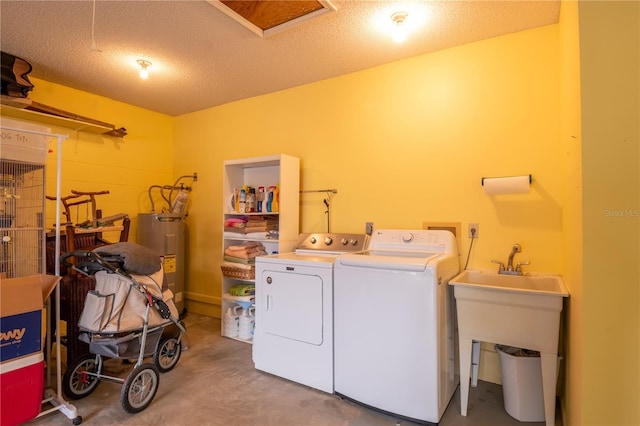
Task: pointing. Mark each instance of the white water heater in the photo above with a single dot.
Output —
(164, 233)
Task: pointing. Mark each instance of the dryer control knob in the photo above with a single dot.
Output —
(328, 241)
(312, 240)
(344, 241)
(407, 238)
(353, 242)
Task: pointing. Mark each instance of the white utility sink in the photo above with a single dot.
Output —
(515, 310)
(527, 283)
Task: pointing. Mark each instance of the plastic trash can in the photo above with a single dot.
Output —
(521, 374)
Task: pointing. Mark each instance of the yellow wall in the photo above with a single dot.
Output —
(571, 140)
(403, 143)
(610, 95)
(93, 162)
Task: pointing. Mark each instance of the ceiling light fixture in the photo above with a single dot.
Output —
(144, 73)
(400, 31)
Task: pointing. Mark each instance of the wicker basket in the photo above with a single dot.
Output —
(239, 273)
(73, 291)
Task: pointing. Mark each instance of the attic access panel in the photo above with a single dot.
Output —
(266, 17)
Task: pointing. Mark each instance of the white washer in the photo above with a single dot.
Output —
(394, 324)
(293, 335)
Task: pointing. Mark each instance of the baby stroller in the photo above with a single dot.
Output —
(127, 316)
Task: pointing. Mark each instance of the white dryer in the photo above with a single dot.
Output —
(293, 335)
(394, 324)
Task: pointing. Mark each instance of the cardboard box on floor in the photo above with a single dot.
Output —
(21, 303)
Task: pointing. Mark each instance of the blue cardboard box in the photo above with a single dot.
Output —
(21, 303)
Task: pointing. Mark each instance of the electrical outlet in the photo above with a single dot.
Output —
(474, 230)
(369, 228)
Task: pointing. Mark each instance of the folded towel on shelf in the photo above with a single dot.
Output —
(236, 265)
(237, 225)
(236, 222)
(254, 228)
(249, 247)
(242, 290)
(244, 255)
(253, 235)
(249, 250)
(244, 230)
(245, 245)
(239, 260)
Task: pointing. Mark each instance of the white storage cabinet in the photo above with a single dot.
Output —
(279, 170)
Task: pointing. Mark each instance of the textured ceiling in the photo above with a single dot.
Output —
(203, 58)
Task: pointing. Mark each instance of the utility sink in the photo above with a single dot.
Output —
(515, 310)
(528, 283)
(523, 309)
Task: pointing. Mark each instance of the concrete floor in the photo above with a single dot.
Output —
(214, 383)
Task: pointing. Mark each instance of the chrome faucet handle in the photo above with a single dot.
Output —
(519, 265)
(501, 268)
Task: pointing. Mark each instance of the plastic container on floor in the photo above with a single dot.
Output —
(246, 324)
(521, 374)
(22, 388)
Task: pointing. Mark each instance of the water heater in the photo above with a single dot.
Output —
(164, 233)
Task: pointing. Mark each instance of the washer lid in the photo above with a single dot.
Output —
(395, 260)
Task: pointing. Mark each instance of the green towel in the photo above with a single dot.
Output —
(242, 290)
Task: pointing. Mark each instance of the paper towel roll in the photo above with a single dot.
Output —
(506, 185)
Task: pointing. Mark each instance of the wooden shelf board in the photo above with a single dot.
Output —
(26, 109)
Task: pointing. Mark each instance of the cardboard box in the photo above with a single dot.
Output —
(21, 389)
(19, 145)
(21, 303)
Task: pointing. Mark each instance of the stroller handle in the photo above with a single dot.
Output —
(93, 257)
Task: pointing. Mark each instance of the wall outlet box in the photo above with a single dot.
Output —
(369, 228)
(454, 227)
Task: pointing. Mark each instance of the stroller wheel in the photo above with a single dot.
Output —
(81, 377)
(167, 355)
(139, 388)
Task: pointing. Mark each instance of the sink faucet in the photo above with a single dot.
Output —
(516, 249)
(510, 269)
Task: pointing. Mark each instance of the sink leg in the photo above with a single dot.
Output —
(549, 364)
(465, 373)
(475, 363)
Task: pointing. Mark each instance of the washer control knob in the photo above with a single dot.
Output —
(328, 241)
(312, 240)
(407, 238)
(353, 242)
(344, 241)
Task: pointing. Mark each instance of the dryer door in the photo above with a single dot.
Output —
(292, 306)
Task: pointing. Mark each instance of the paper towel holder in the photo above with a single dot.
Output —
(482, 181)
